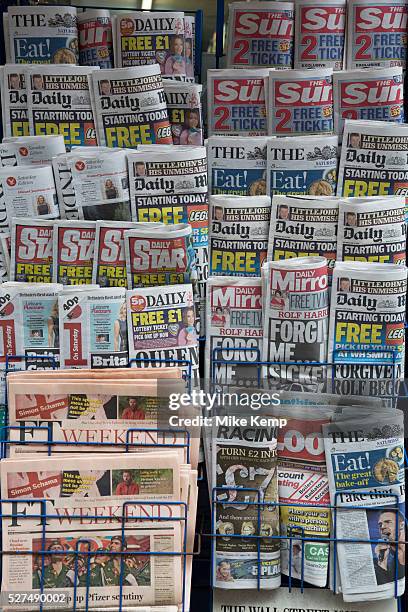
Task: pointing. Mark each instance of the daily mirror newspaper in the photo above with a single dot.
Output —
(73, 252)
(319, 34)
(29, 191)
(109, 266)
(31, 251)
(14, 100)
(237, 102)
(260, 35)
(184, 107)
(30, 150)
(95, 38)
(237, 166)
(130, 107)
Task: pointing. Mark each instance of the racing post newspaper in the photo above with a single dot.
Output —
(367, 327)
(319, 34)
(300, 102)
(233, 329)
(237, 167)
(109, 265)
(95, 38)
(373, 159)
(365, 462)
(161, 328)
(59, 102)
(92, 327)
(238, 562)
(304, 165)
(261, 35)
(14, 100)
(145, 37)
(130, 107)
(372, 230)
(377, 34)
(30, 150)
(45, 36)
(73, 252)
(29, 191)
(376, 94)
(237, 102)
(31, 251)
(296, 318)
(303, 227)
(184, 107)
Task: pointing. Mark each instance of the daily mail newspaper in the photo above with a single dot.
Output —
(30, 150)
(237, 453)
(365, 461)
(95, 38)
(189, 44)
(296, 317)
(319, 34)
(65, 187)
(14, 100)
(46, 35)
(161, 328)
(145, 37)
(300, 102)
(73, 252)
(184, 107)
(367, 327)
(373, 159)
(376, 94)
(29, 192)
(237, 102)
(238, 240)
(372, 231)
(233, 329)
(261, 34)
(31, 251)
(93, 328)
(109, 265)
(130, 107)
(377, 33)
(303, 227)
(237, 166)
(304, 165)
(59, 102)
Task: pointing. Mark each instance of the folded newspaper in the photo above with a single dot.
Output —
(28, 191)
(30, 150)
(95, 38)
(31, 257)
(73, 252)
(109, 264)
(14, 100)
(183, 102)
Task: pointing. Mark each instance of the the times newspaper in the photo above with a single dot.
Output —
(237, 167)
(130, 107)
(300, 102)
(144, 37)
(73, 252)
(65, 187)
(373, 159)
(367, 329)
(46, 35)
(30, 150)
(59, 102)
(319, 34)
(304, 165)
(237, 102)
(109, 265)
(161, 328)
(368, 95)
(365, 463)
(296, 317)
(184, 107)
(233, 329)
(261, 35)
(238, 563)
(376, 34)
(372, 231)
(14, 100)
(238, 240)
(28, 191)
(31, 251)
(95, 38)
(303, 227)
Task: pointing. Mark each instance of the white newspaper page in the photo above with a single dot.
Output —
(73, 252)
(29, 192)
(14, 101)
(30, 150)
(184, 107)
(31, 251)
(65, 187)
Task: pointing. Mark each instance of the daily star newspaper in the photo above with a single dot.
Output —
(261, 34)
(145, 37)
(237, 166)
(130, 107)
(95, 38)
(377, 33)
(184, 107)
(73, 252)
(14, 100)
(300, 102)
(376, 94)
(236, 102)
(109, 266)
(46, 35)
(31, 251)
(304, 165)
(238, 239)
(319, 34)
(30, 150)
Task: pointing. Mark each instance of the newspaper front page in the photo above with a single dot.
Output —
(31, 251)
(14, 100)
(261, 35)
(29, 192)
(189, 45)
(30, 150)
(109, 266)
(73, 252)
(65, 187)
(184, 107)
(5, 253)
(95, 38)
